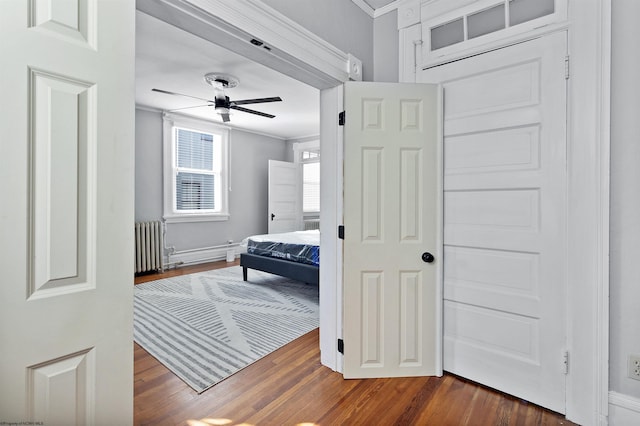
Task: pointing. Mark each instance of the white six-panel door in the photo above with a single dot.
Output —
(66, 211)
(392, 215)
(505, 206)
(285, 196)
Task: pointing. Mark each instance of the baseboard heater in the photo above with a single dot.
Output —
(149, 246)
(310, 224)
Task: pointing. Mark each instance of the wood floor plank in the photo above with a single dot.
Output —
(291, 387)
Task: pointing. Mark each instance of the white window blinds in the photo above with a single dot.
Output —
(197, 176)
(311, 187)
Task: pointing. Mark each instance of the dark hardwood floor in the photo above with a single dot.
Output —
(291, 387)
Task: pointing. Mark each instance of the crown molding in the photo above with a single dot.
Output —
(388, 8)
(365, 7)
(376, 13)
(260, 33)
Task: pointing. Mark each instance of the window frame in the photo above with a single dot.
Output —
(468, 45)
(171, 122)
(299, 148)
(310, 213)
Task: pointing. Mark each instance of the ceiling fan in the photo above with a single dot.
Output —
(221, 102)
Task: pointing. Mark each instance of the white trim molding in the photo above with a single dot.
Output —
(278, 42)
(331, 200)
(365, 7)
(408, 14)
(589, 143)
(375, 13)
(623, 409)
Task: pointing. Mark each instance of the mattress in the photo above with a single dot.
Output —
(298, 246)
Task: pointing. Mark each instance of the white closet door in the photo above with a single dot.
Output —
(505, 189)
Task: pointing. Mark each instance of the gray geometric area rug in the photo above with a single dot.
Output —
(206, 326)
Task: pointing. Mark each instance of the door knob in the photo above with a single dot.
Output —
(427, 257)
(272, 216)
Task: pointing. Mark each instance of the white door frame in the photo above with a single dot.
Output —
(322, 66)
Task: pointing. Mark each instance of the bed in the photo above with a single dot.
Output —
(294, 255)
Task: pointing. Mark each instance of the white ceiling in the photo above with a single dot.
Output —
(171, 59)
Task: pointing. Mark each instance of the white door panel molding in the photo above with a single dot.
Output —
(67, 209)
(392, 230)
(505, 186)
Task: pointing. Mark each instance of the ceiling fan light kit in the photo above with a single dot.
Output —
(222, 104)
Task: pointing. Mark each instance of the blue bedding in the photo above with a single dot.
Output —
(301, 246)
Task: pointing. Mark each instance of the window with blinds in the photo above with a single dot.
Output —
(311, 187)
(196, 171)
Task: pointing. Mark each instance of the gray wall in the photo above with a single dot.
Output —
(340, 22)
(148, 184)
(386, 48)
(248, 201)
(625, 195)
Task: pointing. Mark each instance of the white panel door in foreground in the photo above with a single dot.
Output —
(392, 219)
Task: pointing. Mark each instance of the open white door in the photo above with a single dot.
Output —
(393, 227)
(66, 209)
(285, 197)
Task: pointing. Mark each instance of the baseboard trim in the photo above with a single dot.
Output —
(624, 410)
(193, 257)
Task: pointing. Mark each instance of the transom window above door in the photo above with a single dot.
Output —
(485, 20)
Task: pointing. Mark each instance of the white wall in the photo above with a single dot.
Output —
(248, 199)
(625, 195)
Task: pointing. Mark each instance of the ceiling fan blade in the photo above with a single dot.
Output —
(166, 92)
(189, 107)
(256, 101)
(225, 117)
(251, 111)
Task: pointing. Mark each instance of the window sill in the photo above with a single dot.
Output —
(195, 218)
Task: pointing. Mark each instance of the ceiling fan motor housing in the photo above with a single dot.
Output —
(222, 103)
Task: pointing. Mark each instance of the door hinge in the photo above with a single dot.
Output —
(341, 346)
(416, 45)
(565, 361)
(341, 118)
(566, 67)
(341, 232)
